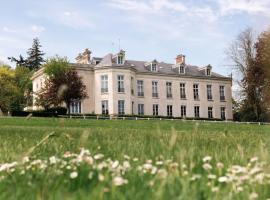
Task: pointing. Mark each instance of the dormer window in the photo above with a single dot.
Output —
(120, 59)
(208, 70)
(153, 67)
(181, 69)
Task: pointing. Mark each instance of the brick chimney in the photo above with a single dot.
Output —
(84, 58)
(180, 59)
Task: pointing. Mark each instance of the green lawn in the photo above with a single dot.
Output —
(185, 143)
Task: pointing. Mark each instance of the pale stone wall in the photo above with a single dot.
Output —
(92, 104)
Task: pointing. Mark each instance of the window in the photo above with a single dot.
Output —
(132, 85)
(104, 107)
(75, 107)
(196, 91)
(169, 89)
(120, 79)
(222, 113)
(104, 83)
(221, 93)
(208, 72)
(121, 107)
(132, 107)
(182, 90)
(154, 89)
(197, 111)
(210, 112)
(183, 111)
(140, 88)
(169, 110)
(140, 109)
(120, 59)
(153, 67)
(209, 92)
(155, 109)
(181, 69)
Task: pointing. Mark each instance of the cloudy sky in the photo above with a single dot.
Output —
(147, 29)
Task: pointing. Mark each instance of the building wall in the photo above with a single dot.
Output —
(92, 104)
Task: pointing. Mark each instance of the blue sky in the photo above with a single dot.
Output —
(148, 29)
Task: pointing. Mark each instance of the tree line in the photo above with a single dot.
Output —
(251, 57)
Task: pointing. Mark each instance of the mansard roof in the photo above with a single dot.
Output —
(163, 68)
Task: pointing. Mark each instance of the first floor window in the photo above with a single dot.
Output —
(154, 89)
(104, 83)
(75, 107)
(140, 88)
(140, 109)
(169, 89)
(209, 92)
(221, 93)
(121, 107)
(222, 113)
(183, 111)
(182, 90)
(155, 109)
(210, 112)
(104, 107)
(169, 110)
(197, 111)
(196, 91)
(120, 79)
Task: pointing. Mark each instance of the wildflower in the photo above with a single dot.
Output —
(239, 189)
(223, 179)
(207, 158)
(101, 177)
(195, 177)
(126, 165)
(185, 173)
(220, 165)
(135, 159)
(207, 166)
(115, 164)
(98, 156)
(52, 160)
(147, 166)
(159, 163)
(118, 181)
(89, 160)
(254, 159)
(126, 157)
(215, 189)
(154, 170)
(90, 175)
(73, 175)
(162, 173)
(25, 159)
(212, 176)
(253, 195)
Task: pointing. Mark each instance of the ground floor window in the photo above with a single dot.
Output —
(105, 107)
(169, 110)
(140, 109)
(155, 109)
(183, 111)
(75, 107)
(197, 111)
(222, 113)
(121, 107)
(210, 112)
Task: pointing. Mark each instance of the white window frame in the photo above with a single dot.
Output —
(209, 92)
(154, 89)
(105, 107)
(210, 112)
(182, 69)
(197, 111)
(223, 112)
(140, 109)
(121, 107)
(75, 107)
(222, 93)
(155, 109)
(183, 111)
(169, 110)
(196, 91)
(169, 89)
(153, 67)
(140, 88)
(104, 83)
(183, 91)
(120, 83)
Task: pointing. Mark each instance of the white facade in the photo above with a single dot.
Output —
(112, 88)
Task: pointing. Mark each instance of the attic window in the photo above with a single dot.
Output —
(153, 67)
(120, 59)
(208, 71)
(181, 69)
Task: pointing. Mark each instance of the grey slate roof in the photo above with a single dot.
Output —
(163, 68)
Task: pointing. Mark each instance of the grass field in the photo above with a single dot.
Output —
(132, 159)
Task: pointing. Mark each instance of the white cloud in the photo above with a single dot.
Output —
(76, 20)
(261, 7)
(37, 29)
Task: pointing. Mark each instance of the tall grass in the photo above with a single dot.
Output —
(184, 142)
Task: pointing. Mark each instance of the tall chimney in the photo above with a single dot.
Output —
(180, 59)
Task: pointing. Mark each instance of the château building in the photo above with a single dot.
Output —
(118, 86)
